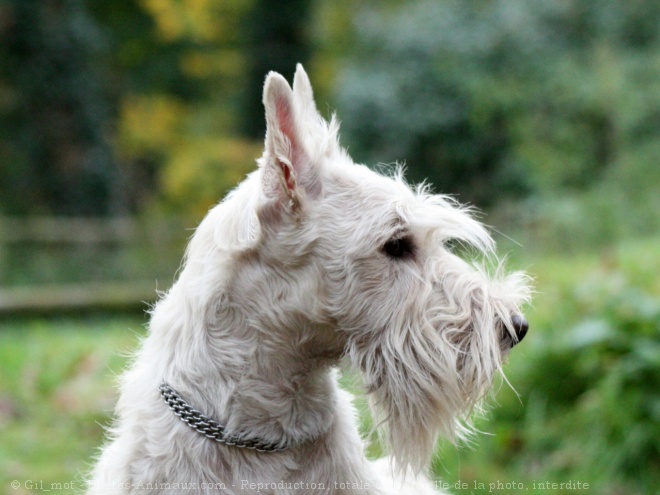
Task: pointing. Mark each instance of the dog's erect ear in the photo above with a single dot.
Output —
(304, 96)
(289, 174)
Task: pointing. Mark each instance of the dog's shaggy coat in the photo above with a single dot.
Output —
(313, 261)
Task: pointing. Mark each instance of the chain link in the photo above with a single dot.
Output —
(210, 428)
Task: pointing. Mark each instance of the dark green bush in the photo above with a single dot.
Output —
(593, 394)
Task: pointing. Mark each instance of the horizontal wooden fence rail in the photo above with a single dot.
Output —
(65, 298)
(52, 264)
(67, 230)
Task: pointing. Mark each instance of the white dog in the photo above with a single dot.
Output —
(311, 262)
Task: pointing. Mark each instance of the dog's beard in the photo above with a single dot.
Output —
(419, 389)
(427, 377)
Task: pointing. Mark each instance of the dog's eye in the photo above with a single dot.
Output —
(399, 248)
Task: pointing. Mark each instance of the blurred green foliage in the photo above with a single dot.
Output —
(510, 99)
(544, 112)
(54, 114)
(600, 381)
(97, 98)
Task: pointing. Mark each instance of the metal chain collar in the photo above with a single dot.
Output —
(210, 428)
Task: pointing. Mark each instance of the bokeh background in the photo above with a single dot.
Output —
(121, 123)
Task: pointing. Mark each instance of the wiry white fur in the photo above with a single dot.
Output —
(281, 281)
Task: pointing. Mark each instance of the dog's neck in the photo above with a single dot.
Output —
(289, 389)
(274, 388)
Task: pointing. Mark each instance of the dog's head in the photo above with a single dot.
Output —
(358, 260)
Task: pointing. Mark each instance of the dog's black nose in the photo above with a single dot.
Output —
(520, 325)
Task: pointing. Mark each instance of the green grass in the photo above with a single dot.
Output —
(57, 389)
(587, 410)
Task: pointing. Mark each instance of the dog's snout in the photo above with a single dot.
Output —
(520, 326)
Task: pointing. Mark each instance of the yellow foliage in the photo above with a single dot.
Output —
(149, 123)
(200, 171)
(199, 20)
(226, 63)
(197, 170)
(166, 16)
